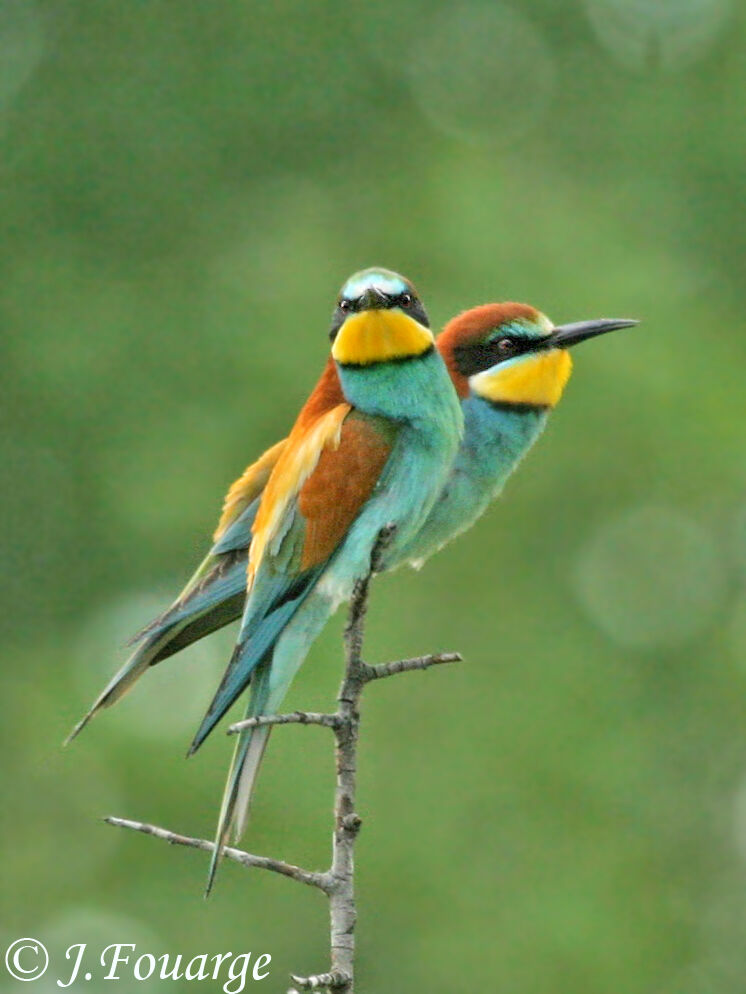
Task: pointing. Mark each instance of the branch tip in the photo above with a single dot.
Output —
(311, 878)
(384, 540)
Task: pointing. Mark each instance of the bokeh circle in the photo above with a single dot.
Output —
(646, 34)
(651, 577)
(482, 73)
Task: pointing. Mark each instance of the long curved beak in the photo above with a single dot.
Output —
(567, 335)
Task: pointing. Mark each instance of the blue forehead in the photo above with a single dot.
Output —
(523, 328)
(389, 283)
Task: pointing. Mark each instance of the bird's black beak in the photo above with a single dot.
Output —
(373, 300)
(567, 335)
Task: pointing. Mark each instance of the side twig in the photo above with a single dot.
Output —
(338, 882)
(296, 718)
(310, 877)
(409, 665)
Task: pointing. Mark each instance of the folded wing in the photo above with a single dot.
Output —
(323, 479)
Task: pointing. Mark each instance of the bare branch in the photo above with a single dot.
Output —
(321, 981)
(407, 665)
(295, 718)
(342, 905)
(338, 883)
(353, 633)
(310, 877)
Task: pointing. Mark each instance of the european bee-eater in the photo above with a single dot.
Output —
(509, 365)
(380, 458)
(485, 351)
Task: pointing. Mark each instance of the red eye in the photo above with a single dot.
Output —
(406, 300)
(505, 346)
(344, 305)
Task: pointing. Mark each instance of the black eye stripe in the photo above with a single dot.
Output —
(478, 356)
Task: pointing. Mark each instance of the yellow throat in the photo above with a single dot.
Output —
(536, 379)
(379, 336)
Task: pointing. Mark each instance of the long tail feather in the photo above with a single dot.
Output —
(122, 680)
(272, 672)
(247, 655)
(247, 757)
(217, 603)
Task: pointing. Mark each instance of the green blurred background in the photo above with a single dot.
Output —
(184, 187)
